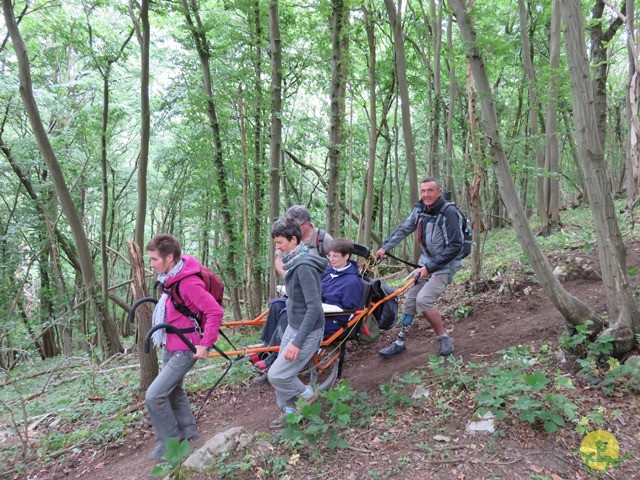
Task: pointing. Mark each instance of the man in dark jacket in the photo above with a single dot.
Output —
(439, 230)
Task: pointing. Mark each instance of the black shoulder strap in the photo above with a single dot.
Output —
(178, 302)
(320, 242)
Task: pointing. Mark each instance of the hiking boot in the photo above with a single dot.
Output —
(279, 423)
(158, 452)
(393, 349)
(446, 345)
(261, 380)
(310, 398)
(191, 436)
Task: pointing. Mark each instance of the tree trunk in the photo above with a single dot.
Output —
(249, 263)
(107, 331)
(143, 33)
(573, 310)
(534, 111)
(552, 149)
(373, 132)
(475, 200)
(631, 172)
(453, 94)
(623, 312)
(600, 41)
(401, 74)
(198, 32)
(148, 362)
(434, 145)
(340, 15)
(276, 131)
(257, 235)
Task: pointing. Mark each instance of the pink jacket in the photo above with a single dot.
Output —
(197, 299)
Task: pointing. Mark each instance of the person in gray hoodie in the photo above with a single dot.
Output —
(305, 318)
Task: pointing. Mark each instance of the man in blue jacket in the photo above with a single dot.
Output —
(439, 230)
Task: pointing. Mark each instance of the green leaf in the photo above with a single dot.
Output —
(159, 471)
(550, 427)
(184, 448)
(566, 382)
(536, 381)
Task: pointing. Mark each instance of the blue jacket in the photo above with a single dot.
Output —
(440, 232)
(342, 288)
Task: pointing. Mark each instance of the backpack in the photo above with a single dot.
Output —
(467, 231)
(369, 331)
(320, 243)
(212, 284)
(387, 314)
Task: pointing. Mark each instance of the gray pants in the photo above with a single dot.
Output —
(423, 295)
(283, 374)
(166, 401)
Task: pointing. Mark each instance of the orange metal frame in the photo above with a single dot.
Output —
(320, 359)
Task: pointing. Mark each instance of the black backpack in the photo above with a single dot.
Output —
(467, 231)
(320, 243)
(387, 313)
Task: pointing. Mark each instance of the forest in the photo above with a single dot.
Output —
(208, 119)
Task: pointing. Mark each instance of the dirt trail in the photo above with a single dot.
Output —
(496, 322)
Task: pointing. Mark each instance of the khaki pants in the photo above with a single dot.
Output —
(423, 295)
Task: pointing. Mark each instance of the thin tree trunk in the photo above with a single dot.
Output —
(401, 74)
(276, 130)
(573, 310)
(600, 41)
(198, 32)
(552, 149)
(107, 331)
(340, 15)
(143, 34)
(453, 94)
(249, 263)
(257, 235)
(373, 131)
(474, 196)
(534, 111)
(434, 146)
(148, 362)
(623, 312)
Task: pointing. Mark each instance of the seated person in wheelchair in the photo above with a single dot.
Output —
(341, 287)
(341, 284)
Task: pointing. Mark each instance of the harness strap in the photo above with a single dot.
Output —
(413, 265)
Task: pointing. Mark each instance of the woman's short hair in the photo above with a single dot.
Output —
(165, 244)
(343, 246)
(286, 227)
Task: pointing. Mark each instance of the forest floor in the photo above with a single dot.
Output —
(402, 444)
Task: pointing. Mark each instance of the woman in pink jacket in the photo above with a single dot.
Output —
(166, 401)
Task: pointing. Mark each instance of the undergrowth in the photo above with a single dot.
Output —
(62, 405)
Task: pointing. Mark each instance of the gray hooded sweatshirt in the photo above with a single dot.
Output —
(304, 300)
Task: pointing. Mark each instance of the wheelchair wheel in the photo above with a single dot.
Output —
(324, 368)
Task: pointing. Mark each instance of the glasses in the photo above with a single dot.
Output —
(336, 255)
